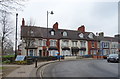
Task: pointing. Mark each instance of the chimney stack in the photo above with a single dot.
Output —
(55, 26)
(117, 36)
(23, 22)
(101, 34)
(82, 28)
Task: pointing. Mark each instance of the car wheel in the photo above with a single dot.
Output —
(108, 61)
(118, 61)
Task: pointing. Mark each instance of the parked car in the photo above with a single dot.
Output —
(113, 58)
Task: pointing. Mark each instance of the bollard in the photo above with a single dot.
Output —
(59, 57)
(35, 62)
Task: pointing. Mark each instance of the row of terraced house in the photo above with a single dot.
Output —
(41, 41)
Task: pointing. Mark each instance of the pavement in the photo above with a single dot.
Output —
(27, 70)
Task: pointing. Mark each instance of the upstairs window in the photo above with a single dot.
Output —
(106, 45)
(31, 33)
(93, 44)
(64, 33)
(90, 36)
(83, 43)
(65, 43)
(40, 42)
(81, 35)
(52, 42)
(98, 44)
(44, 42)
(52, 33)
(74, 43)
(32, 42)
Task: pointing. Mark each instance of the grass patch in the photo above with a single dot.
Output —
(0, 67)
(8, 70)
(7, 56)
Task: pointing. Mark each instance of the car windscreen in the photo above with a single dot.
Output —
(114, 55)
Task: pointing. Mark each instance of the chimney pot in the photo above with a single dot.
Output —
(82, 28)
(101, 34)
(23, 22)
(55, 26)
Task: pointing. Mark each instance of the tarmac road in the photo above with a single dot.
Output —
(80, 68)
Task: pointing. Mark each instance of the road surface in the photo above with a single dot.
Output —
(80, 68)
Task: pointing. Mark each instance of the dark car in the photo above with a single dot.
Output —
(113, 58)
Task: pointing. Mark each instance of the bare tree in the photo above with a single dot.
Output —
(11, 5)
(5, 31)
(8, 46)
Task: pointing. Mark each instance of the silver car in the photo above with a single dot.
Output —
(113, 58)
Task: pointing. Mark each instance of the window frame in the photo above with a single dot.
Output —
(52, 32)
(53, 42)
(65, 33)
(81, 35)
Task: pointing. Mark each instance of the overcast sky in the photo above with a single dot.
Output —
(96, 15)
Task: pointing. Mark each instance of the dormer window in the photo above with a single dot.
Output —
(90, 36)
(52, 33)
(64, 33)
(81, 35)
(31, 33)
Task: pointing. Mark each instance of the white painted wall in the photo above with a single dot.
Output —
(70, 45)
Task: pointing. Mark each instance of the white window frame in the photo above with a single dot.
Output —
(32, 42)
(90, 35)
(74, 43)
(83, 43)
(53, 43)
(52, 33)
(92, 44)
(81, 35)
(65, 43)
(40, 42)
(64, 33)
(44, 42)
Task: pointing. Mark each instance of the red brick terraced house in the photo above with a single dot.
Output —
(41, 41)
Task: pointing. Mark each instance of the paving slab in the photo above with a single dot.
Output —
(26, 70)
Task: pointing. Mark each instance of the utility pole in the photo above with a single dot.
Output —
(16, 36)
(47, 28)
(97, 45)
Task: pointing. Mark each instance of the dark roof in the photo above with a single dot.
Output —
(41, 32)
(112, 39)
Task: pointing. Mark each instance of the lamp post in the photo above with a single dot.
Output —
(16, 36)
(97, 45)
(47, 26)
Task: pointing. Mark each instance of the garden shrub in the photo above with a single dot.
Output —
(6, 62)
(10, 58)
(21, 62)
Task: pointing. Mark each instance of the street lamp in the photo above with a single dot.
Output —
(47, 16)
(47, 26)
(97, 44)
(16, 36)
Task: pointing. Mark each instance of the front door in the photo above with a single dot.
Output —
(40, 53)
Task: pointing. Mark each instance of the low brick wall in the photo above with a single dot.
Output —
(99, 57)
